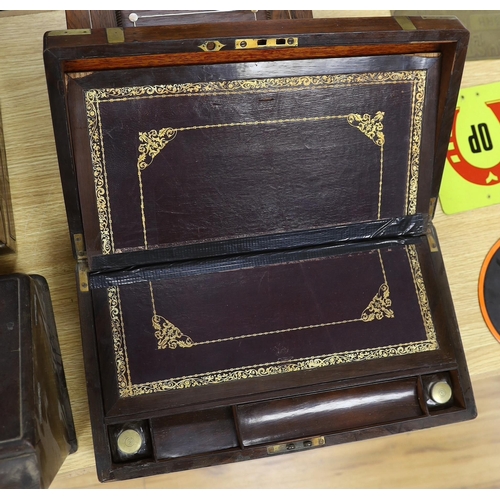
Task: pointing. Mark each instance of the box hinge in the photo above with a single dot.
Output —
(405, 23)
(82, 263)
(115, 35)
(432, 206)
(69, 32)
(432, 241)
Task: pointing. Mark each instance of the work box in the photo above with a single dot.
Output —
(36, 424)
(250, 206)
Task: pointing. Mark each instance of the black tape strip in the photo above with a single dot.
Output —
(213, 265)
(388, 228)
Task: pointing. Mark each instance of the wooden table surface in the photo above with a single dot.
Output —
(454, 456)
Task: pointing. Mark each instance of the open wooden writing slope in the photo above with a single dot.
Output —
(250, 206)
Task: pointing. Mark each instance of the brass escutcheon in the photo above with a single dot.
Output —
(211, 46)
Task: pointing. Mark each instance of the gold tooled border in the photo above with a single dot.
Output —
(127, 388)
(94, 97)
(119, 342)
(169, 336)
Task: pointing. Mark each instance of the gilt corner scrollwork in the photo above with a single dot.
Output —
(380, 305)
(168, 335)
(371, 127)
(152, 143)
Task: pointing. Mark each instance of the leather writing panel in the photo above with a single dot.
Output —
(206, 154)
(206, 327)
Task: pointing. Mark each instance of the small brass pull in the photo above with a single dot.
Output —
(295, 445)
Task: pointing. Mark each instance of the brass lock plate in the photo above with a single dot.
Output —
(266, 43)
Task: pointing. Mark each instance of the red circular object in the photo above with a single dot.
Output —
(489, 290)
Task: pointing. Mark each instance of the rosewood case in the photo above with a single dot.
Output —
(36, 430)
(251, 210)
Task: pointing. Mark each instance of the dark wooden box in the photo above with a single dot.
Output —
(7, 233)
(76, 19)
(36, 424)
(251, 211)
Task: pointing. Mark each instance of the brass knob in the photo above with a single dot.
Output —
(441, 392)
(129, 442)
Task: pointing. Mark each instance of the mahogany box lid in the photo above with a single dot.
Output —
(208, 145)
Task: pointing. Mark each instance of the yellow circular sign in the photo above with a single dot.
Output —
(474, 149)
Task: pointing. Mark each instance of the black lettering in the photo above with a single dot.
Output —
(483, 140)
(474, 141)
(484, 133)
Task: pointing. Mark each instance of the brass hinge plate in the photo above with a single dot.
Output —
(69, 32)
(82, 263)
(115, 35)
(432, 206)
(266, 43)
(432, 241)
(405, 23)
(83, 276)
(303, 444)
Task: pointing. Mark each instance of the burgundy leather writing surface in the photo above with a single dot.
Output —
(212, 327)
(206, 154)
